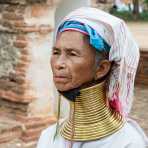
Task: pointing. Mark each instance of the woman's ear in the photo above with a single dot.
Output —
(102, 69)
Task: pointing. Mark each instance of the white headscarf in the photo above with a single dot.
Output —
(124, 52)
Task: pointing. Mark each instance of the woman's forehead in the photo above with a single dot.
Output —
(70, 34)
(72, 40)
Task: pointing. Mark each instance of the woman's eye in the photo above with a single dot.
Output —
(55, 52)
(72, 54)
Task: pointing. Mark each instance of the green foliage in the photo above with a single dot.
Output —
(144, 16)
(146, 2)
(128, 15)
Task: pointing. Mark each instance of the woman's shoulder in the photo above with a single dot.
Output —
(49, 131)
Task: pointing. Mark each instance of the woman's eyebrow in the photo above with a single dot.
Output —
(55, 48)
(67, 49)
(72, 49)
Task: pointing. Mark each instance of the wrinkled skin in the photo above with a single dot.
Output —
(73, 61)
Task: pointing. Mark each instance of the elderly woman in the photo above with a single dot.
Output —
(94, 61)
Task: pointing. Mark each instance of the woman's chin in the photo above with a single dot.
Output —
(62, 87)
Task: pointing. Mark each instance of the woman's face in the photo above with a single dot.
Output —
(72, 61)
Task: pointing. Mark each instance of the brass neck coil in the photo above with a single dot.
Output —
(90, 117)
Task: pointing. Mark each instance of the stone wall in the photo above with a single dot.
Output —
(26, 28)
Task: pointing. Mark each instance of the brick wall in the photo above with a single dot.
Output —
(142, 72)
(26, 28)
(102, 4)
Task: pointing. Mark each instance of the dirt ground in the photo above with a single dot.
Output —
(140, 107)
(140, 33)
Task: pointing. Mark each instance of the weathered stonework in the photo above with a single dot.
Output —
(28, 2)
(9, 55)
(26, 29)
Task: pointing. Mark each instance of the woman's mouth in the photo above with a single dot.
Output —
(60, 79)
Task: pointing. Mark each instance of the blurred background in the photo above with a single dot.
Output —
(27, 94)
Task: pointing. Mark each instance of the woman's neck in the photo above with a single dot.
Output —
(90, 117)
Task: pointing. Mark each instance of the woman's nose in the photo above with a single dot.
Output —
(60, 62)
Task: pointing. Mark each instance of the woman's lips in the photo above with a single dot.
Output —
(61, 79)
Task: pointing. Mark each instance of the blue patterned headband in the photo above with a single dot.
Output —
(95, 39)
